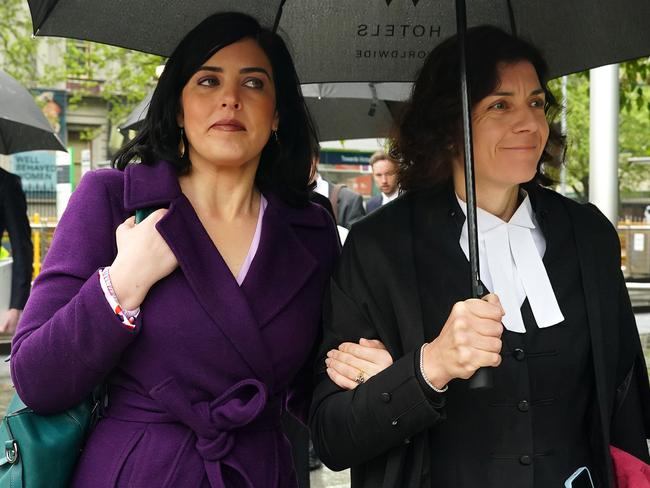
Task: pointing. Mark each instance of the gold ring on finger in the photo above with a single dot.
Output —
(361, 377)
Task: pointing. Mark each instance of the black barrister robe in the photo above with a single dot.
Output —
(381, 429)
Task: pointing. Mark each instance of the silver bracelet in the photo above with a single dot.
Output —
(424, 375)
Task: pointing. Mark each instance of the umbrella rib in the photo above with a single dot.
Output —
(511, 17)
(278, 16)
(45, 17)
(4, 145)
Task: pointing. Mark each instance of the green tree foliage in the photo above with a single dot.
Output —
(120, 76)
(634, 129)
(17, 52)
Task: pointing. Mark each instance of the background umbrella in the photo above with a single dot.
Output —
(339, 110)
(23, 127)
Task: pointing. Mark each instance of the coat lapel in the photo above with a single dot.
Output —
(214, 286)
(431, 221)
(205, 270)
(282, 265)
(440, 262)
(407, 306)
(154, 185)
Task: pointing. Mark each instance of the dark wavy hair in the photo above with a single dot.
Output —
(286, 164)
(430, 132)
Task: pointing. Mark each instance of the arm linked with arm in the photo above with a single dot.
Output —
(351, 427)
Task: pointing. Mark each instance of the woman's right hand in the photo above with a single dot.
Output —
(143, 258)
(469, 340)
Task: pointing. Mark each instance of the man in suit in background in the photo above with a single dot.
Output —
(13, 219)
(384, 171)
(347, 205)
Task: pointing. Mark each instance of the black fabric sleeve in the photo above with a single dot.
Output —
(350, 427)
(630, 414)
(630, 427)
(20, 236)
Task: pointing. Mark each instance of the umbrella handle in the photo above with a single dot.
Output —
(483, 379)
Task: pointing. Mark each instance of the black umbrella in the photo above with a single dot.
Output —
(23, 127)
(339, 110)
(375, 40)
(366, 40)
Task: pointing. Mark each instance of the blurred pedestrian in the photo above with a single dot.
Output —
(384, 172)
(13, 219)
(347, 204)
(201, 319)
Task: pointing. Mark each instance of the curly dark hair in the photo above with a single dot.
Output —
(286, 164)
(429, 134)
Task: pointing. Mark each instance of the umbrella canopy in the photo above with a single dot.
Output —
(370, 40)
(375, 40)
(23, 127)
(339, 110)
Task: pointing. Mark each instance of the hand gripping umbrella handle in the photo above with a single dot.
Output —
(483, 378)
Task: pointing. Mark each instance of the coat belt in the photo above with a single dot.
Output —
(245, 406)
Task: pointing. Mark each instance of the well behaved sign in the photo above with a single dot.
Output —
(37, 170)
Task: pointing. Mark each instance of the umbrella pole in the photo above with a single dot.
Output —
(483, 378)
(278, 16)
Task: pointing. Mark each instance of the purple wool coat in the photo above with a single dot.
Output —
(196, 391)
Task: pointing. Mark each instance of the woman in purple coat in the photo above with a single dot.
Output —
(202, 318)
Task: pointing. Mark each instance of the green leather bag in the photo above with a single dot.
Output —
(40, 451)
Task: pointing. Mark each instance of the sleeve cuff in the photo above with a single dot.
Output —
(127, 317)
(436, 399)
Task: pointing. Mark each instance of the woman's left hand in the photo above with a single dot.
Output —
(352, 364)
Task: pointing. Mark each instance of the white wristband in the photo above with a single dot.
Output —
(126, 316)
(424, 375)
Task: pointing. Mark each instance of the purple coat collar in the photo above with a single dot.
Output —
(156, 185)
(282, 266)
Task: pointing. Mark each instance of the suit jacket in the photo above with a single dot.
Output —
(196, 392)
(373, 294)
(13, 219)
(374, 203)
(349, 206)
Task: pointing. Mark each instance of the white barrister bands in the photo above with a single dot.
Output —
(510, 260)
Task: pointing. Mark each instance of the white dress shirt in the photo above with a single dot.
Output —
(389, 198)
(322, 186)
(510, 260)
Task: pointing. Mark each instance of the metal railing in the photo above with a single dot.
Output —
(42, 203)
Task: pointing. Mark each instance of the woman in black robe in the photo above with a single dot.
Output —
(392, 401)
